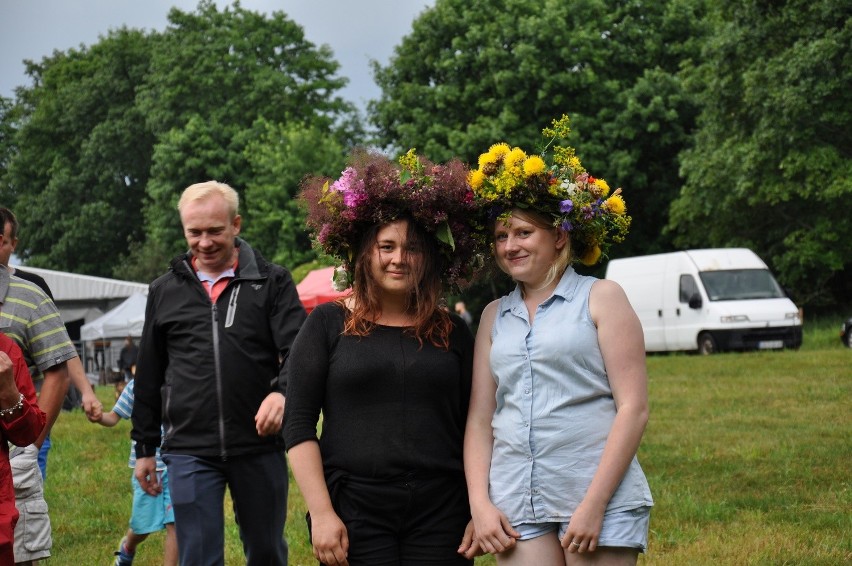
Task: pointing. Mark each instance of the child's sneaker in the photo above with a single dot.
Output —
(122, 557)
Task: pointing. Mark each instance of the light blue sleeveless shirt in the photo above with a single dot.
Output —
(554, 408)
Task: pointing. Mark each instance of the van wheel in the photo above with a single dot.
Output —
(706, 344)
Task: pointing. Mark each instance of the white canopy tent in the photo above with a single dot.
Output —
(104, 337)
(124, 320)
(74, 287)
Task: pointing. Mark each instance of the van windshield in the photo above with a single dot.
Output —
(741, 284)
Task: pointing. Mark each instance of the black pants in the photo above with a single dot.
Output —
(412, 521)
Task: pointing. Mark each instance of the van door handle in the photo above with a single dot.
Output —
(678, 311)
(660, 313)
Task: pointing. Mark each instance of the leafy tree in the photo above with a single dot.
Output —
(281, 156)
(80, 154)
(474, 72)
(7, 132)
(97, 151)
(770, 168)
(219, 80)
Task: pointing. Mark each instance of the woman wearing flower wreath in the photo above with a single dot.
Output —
(559, 401)
(387, 366)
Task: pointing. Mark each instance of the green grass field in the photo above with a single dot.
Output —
(748, 456)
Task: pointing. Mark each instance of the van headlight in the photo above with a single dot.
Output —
(735, 318)
(792, 316)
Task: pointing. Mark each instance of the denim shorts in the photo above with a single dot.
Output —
(151, 513)
(622, 529)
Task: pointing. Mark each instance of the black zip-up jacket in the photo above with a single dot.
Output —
(205, 368)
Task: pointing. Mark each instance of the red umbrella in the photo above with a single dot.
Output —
(316, 288)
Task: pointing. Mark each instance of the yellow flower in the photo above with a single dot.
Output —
(592, 255)
(499, 149)
(616, 204)
(533, 166)
(504, 183)
(603, 187)
(476, 178)
(409, 160)
(574, 163)
(487, 159)
(515, 158)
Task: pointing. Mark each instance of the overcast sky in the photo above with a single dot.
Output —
(356, 30)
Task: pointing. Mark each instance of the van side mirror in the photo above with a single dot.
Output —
(695, 301)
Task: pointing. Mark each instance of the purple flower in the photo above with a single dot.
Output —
(323, 234)
(588, 212)
(566, 206)
(567, 226)
(344, 183)
(353, 198)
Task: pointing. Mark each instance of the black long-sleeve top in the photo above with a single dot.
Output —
(390, 406)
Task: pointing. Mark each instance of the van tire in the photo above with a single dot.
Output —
(706, 344)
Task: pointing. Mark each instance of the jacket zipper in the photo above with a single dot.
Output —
(229, 320)
(214, 314)
(216, 353)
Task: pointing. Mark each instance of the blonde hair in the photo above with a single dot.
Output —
(202, 191)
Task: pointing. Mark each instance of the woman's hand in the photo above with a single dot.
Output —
(329, 539)
(493, 531)
(584, 529)
(470, 547)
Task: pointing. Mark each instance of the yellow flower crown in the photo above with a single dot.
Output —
(580, 204)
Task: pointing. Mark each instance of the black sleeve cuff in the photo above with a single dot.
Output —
(145, 451)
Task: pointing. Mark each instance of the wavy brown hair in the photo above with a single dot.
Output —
(431, 322)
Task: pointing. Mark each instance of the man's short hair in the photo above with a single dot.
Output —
(201, 191)
(8, 217)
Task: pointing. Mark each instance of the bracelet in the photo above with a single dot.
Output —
(13, 408)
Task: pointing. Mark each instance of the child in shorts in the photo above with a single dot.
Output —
(150, 513)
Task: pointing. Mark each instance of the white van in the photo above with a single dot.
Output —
(707, 301)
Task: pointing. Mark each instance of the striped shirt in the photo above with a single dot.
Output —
(30, 318)
(124, 409)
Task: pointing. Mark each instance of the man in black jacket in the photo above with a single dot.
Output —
(212, 373)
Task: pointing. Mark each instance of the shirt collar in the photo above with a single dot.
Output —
(566, 289)
(202, 276)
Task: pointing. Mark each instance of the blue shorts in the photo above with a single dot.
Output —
(623, 529)
(151, 513)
